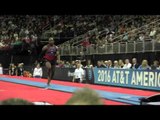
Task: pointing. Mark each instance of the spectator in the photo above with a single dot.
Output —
(15, 101)
(155, 65)
(89, 65)
(134, 64)
(106, 63)
(120, 63)
(78, 74)
(67, 64)
(85, 96)
(27, 74)
(152, 33)
(78, 62)
(19, 69)
(37, 73)
(26, 31)
(73, 65)
(103, 64)
(2, 44)
(141, 37)
(12, 69)
(85, 44)
(125, 37)
(109, 64)
(99, 65)
(1, 69)
(127, 65)
(110, 39)
(116, 66)
(144, 65)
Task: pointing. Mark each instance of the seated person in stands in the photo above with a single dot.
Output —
(78, 74)
(73, 64)
(103, 64)
(134, 64)
(100, 65)
(12, 69)
(109, 64)
(37, 73)
(106, 63)
(85, 96)
(67, 64)
(120, 63)
(155, 65)
(1, 69)
(89, 65)
(20, 69)
(144, 65)
(116, 66)
(127, 64)
(78, 62)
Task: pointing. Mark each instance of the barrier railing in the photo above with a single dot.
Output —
(111, 48)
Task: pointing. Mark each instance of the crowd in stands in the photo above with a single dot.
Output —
(19, 70)
(117, 64)
(127, 28)
(28, 29)
(135, 28)
(16, 70)
(16, 29)
(37, 70)
(72, 26)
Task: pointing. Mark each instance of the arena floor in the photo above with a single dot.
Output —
(62, 91)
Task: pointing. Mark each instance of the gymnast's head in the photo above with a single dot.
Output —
(51, 41)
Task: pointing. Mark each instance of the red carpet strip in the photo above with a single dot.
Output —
(34, 94)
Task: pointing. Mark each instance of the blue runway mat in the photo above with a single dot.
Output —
(125, 98)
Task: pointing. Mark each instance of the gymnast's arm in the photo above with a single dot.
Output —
(44, 49)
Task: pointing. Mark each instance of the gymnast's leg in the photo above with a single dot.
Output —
(49, 71)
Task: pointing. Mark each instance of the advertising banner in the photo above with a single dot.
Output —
(144, 79)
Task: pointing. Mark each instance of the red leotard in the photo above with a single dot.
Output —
(50, 54)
